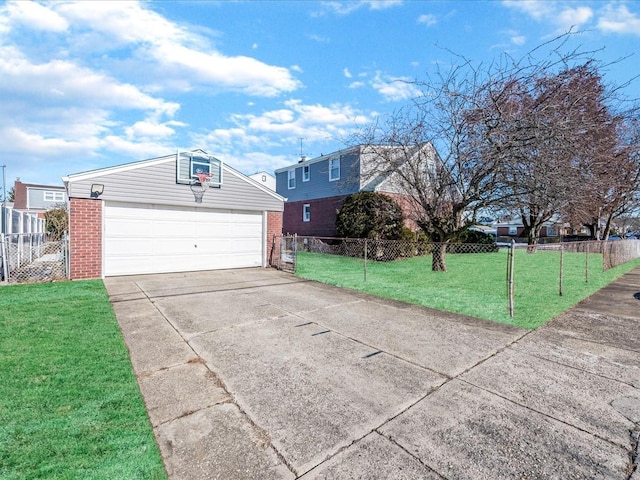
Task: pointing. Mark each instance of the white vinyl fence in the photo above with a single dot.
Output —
(27, 253)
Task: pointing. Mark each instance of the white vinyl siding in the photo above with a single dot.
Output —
(334, 169)
(144, 238)
(291, 179)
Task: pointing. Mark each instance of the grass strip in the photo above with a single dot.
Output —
(474, 284)
(70, 407)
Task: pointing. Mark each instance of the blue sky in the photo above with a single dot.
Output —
(86, 85)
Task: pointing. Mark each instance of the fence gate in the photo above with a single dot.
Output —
(288, 253)
(32, 257)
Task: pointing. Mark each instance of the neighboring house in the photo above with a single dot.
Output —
(37, 199)
(515, 228)
(265, 179)
(142, 217)
(315, 189)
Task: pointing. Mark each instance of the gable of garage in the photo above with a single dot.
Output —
(139, 218)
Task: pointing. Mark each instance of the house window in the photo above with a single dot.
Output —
(513, 230)
(306, 173)
(53, 196)
(334, 169)
(306, 212)
(292, 179)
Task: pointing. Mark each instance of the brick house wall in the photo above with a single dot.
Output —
(323, 217)
(324, 212)
(85, 238)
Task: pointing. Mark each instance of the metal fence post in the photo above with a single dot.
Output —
(510, 264)
(5, 258)
(561, 270)
(365, 260)
(586, 263)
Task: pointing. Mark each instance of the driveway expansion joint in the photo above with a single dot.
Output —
(634, 457)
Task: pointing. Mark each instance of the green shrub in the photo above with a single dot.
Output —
(370, 215)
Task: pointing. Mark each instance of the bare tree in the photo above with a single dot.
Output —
(431, 152)
(557, 134)
(515, 135)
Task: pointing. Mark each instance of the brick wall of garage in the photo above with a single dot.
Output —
(323, 217)
(274, 230)
(85, 238)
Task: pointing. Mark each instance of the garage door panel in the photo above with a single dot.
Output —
(156, 239)
(212, 230)
(127, 227)
(124, 246)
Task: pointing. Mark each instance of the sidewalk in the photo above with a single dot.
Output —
(258, 374)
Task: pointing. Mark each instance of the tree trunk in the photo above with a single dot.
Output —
(438, 257)
(532, 240)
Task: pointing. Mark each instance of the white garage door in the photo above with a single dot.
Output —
(158, 238)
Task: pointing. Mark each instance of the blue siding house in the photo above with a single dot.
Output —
(316, 188)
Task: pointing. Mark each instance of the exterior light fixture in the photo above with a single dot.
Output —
(96, 190)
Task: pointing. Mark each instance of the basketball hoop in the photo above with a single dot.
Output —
(200, 185)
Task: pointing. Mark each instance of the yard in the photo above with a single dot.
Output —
(475, 284)
(69, 402)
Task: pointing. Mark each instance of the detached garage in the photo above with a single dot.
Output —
(182, 212)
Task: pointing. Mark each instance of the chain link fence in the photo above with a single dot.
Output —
(386, 250)
(33, 257)
(557, 265)
(614, 253)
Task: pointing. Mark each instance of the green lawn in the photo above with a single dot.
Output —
(474, 284)
(70, 407)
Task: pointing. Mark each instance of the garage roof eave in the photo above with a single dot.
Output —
(117, 168)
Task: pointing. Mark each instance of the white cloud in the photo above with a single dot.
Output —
(240, 73)
(618, 19)
(515, 38)
(346, 72)
(319, 125)
(318, 38)
(394, 88)
(151, 129)
(125, 22)
(518, 39)
(63, 81)
(347, 7)
(428, 19)
(562, 15)
(574, 17)
(34, 15)
(538, 9)
(382, 4)
(356, 84)
(175, 49)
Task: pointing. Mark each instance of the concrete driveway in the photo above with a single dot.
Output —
(256, 374)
